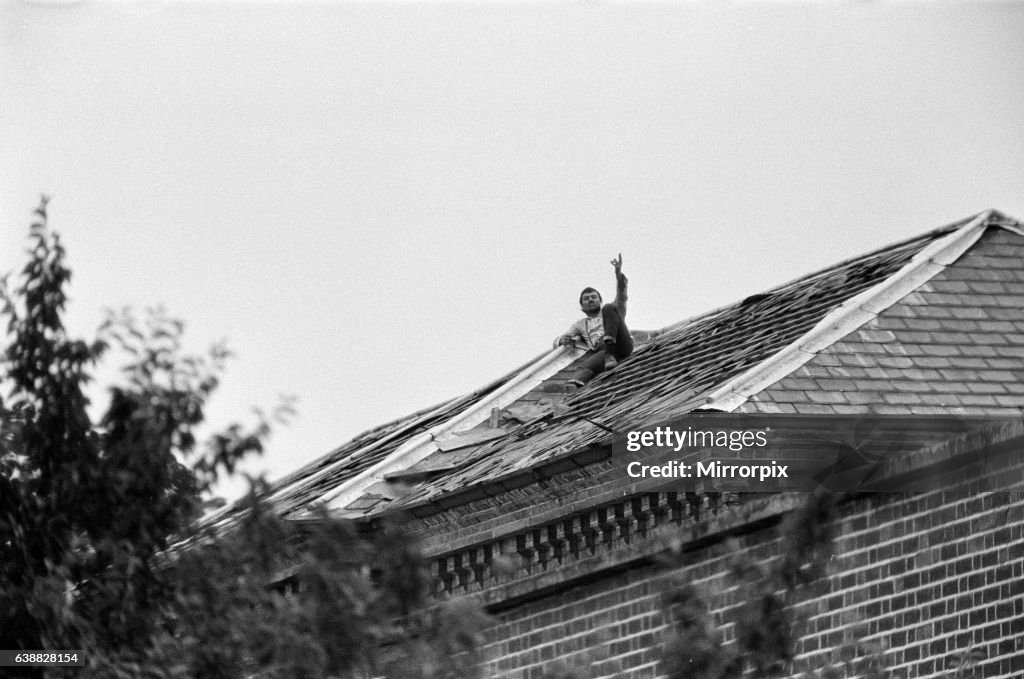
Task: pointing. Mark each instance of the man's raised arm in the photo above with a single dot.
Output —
(620, 285)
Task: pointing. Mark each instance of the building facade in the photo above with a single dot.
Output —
(521, 497)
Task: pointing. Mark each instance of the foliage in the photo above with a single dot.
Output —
(99, 548)
(766, 625)
(694, 647)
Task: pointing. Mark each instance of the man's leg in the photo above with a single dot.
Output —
(593, 363)
(618, 341)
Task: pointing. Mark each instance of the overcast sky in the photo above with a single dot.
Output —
(384, 205)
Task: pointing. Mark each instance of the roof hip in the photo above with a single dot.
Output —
(855, 312)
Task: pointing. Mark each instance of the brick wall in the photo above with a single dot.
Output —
(937, 578)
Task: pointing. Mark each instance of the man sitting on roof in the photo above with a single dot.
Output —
(602, 332)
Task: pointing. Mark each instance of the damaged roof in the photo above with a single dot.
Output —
(527, 426)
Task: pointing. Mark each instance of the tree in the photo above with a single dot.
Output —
(99, 545)
(767, 625)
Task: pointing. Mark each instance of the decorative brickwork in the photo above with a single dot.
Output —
(587, 542)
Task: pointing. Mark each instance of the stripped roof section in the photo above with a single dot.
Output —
(299, 490)
(680, 370)
(302, 489)
(717, 360)
(358, 468)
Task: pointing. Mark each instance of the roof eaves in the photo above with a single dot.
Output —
(852, 314)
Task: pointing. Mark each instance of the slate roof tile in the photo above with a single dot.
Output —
(999, 326)
(999, 314)
(835, 384)
(990, 275)
(919, 323)
(927, 410)
(933, 361)
(844, 360)
(994, 287)
(914, 398)
(952, 286)
(914, 386)
(983, 400)
(825, 397)
(851, 373)
(986, 387)
(863, 397)
(934, 349)
(896, 362)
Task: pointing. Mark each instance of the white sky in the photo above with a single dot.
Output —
(383, 205)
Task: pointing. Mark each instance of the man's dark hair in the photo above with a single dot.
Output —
(586, 290)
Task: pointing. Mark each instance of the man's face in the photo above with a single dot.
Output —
(590, 302)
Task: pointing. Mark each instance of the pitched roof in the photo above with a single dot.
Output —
(725, 359)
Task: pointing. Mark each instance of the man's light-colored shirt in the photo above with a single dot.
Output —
(588, 332)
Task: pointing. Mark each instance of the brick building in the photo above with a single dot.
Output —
(520, 498)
